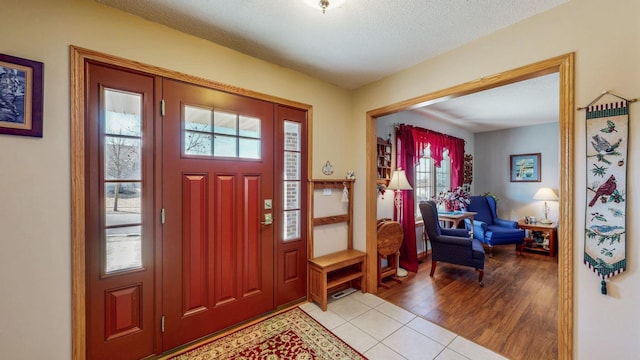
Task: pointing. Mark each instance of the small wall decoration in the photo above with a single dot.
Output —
(605, 218)
(327, 169)
(21, 102)
(525, 168)
(468, 169)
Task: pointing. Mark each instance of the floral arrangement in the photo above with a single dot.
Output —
(494, 196)
(454, 199)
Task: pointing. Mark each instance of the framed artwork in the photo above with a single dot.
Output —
(21, 101)
(525, 168)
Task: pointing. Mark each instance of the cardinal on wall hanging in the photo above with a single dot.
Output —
(605, 224)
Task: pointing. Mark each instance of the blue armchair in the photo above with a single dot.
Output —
(490, 229)
(453, 246)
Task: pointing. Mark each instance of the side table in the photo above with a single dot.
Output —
(547, 229)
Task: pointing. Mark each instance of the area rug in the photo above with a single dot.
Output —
(289, 335)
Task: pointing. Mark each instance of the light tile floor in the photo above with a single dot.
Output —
(381, 330)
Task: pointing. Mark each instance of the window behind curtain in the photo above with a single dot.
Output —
(430, 180)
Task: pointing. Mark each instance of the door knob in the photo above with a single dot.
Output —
(268, 219)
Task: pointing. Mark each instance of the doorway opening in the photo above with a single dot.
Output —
(564, 66)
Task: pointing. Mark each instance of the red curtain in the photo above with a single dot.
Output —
(410, 145)
(405, 160)
(438, 143)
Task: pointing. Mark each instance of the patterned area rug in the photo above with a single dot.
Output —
(289, 335)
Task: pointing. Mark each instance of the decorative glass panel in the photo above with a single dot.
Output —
(291, 195)
(225, 123)
(249, 127)
(122, 158)
(197, 119)
(122, 148)
(225, 146)
(249, 148)
(291, 136)
(124, 248)
(291, 166)
(123, 113)
(223, 134)
(123, 203)
(292, 184)
(292, 225)
(197, 143)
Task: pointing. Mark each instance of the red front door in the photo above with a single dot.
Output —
(218, 242)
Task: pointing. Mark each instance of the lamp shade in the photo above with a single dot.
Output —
(545, 194)
(399, 181)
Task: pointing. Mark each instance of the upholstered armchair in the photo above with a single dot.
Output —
(453, 246)
(490, 229)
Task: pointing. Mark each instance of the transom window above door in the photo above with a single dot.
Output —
(214, 133)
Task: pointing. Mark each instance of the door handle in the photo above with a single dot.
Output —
(268, 219)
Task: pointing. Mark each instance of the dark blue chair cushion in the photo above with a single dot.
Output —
(498, 235)
(490, 229)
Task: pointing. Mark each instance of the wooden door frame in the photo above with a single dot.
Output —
(564, 65)
(78, 57)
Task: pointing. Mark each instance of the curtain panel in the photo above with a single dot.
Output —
(405, 155)
(410, 145)
(438, 143)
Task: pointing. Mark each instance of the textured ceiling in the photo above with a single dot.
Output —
(350, 46)
(366, 40)
(531, 102)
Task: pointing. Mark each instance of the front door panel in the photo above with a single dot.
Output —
(217, 170)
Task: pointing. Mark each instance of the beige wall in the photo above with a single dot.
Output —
(35, 183)
(35, 262)
(605, 35)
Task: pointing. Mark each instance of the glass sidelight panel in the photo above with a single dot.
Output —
(292, 181)
(122, 158)
(124, 248)
(122, 180)
(123, 203)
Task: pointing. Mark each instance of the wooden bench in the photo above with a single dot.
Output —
(338, 269)
(333, 270)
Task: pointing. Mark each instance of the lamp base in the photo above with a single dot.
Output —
(402, 272)
(546, 221)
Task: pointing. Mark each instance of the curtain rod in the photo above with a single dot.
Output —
(606, 92)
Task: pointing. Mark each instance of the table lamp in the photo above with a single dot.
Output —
(545, 194)
(398, 183)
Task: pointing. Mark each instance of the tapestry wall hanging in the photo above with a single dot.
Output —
(607, 133)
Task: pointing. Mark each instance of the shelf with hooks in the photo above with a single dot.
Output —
(337, 269)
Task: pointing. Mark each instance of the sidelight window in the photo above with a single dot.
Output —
(122, 179)
(292, 180)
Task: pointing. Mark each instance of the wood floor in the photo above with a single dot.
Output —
(514, 314)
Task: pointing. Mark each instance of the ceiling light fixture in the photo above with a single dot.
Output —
(325, 4)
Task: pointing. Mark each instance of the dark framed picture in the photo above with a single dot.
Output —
(21, 100)
(525, 168)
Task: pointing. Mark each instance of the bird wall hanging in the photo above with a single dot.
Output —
(605, 222)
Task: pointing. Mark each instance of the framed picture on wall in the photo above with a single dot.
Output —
(20, 96)
(525, 168)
